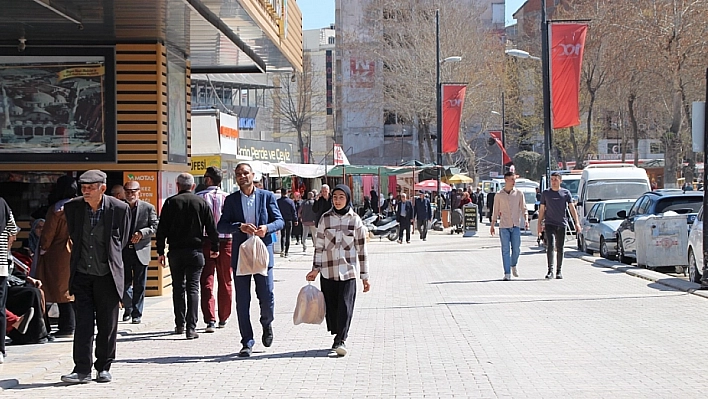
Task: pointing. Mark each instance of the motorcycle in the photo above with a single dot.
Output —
(384, 226)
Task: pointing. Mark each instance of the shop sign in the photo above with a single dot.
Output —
(200, 164)
(269, 151)
(148, 185)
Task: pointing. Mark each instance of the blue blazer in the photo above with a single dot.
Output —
(267, 213)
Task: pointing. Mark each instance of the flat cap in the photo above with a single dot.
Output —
(92, 176)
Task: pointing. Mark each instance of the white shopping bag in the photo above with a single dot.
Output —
(253, 258)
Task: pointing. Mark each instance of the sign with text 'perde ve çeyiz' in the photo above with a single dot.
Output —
(269, 151)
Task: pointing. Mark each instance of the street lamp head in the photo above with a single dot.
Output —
(456, 58)
(520, 54)
(496, 113)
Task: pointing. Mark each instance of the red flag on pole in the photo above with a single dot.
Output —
(453, 100)
(497, 136)
(567, 45)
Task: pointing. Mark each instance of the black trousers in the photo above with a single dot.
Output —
(422, 226)
(19, 300)
(3, 318)
(285, 236)
(339, 306)
(135, 281)
(555, 239)
(404, 224)
(97, 305)
(186, 266)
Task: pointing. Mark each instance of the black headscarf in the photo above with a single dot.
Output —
(345, 189)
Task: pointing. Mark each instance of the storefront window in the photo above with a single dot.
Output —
(26, 192)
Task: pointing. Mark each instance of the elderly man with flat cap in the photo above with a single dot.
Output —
(99, 226)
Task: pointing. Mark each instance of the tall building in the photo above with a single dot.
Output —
(369, 134)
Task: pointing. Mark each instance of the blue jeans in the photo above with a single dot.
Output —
(264, 292)
(510, 256)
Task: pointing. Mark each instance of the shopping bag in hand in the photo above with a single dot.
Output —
(253, 258)
(310, 307)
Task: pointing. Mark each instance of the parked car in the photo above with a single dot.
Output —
(598, 231)
(695, 249)
(610, 181)
(654, 203)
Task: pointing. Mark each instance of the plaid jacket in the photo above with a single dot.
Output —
(341, 239)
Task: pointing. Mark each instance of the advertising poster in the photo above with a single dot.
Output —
(177, 111)
(200, 164)
(148, 185)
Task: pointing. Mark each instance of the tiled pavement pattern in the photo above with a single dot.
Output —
(437, 323)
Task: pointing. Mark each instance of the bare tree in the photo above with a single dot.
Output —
(294, 101)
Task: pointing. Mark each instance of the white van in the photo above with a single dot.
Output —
(608, 182)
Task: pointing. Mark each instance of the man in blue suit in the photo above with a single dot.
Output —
(249, 212)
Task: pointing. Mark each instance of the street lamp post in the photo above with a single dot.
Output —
(438, 108)
(547, 128)
(503, 131)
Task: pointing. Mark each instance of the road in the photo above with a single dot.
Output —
(438, 322)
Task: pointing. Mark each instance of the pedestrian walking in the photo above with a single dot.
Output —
(297, 224)
(323, 203)
(389, 205)
(374, 201)
(249, 212)
(553, 221)
(341, 241)
(215, 198)
(404, 217)
(289, 214)
(423, 214)
(184, 219)
(490, 204)
(509, 209)
(136, 255)
(99, 226)
(480, 203)
(309, 220)
(8, 234)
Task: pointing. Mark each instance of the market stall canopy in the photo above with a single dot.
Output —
(458, 178)
(372, 170)
(307, 171)
(431, 185)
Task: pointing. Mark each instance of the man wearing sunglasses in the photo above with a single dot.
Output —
(136, 255)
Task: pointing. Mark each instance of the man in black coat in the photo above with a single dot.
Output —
(136, 256)
(422, 213)
(404, 217)
(99, 226)
(323, 203)
(289, 213)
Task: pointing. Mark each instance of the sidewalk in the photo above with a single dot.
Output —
(438, 322)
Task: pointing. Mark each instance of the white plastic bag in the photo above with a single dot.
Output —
(253, 258)
(310, 306)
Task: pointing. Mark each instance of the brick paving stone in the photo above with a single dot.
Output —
(438, 323)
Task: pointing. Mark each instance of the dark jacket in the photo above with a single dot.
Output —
(146, 223)
(409, 211)
(480, 201)
(307, 214)
(287, 209)
(184, 219)
(267, 213)
(422, 210)
(321, 206)
(116, 220)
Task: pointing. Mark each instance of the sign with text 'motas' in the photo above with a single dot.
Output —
(269, 151)
(148, 185)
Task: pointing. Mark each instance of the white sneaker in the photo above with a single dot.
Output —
(2, 359)
(507, 277)
(514, 272)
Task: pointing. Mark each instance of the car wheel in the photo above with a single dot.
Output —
(693, 274)
(620, 252)
(585, 247)
(604, 250)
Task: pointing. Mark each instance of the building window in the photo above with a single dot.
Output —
(498, 13)
(330, 40)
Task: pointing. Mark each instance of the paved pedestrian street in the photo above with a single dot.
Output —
(438, 323)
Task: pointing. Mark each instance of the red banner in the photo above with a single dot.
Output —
(497, 136)
(453, 100)
(567, 45)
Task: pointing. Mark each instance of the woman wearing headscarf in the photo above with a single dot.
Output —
(341, 242)
(53, 268)
(31, 244)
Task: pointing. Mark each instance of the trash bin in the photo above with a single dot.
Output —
(662, 240)
(446, 218)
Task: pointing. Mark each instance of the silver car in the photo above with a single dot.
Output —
(597, 230)
(695, 249)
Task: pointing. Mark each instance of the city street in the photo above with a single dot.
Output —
(438, 322)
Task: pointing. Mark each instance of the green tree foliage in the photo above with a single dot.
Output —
(529, 165)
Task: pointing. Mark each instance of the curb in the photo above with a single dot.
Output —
(656, 277)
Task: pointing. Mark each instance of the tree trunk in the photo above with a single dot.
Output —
(635, 129)
(673, 148)
(301, 144)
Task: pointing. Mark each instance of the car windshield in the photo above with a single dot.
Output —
(571, 185)
(675, 203)
(612, 209)
(530, 197)
(616, 189)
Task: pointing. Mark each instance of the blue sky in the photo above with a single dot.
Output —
(320, 13)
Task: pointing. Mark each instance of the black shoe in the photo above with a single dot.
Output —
(126, 317)
(191, 334)
(104, 376)
(222, 324)
(64, 334)
(549, 275)
(136, 320)
(559, 276)
(179, 330)
(76, 378)
(26, 318)
(268, 335)
(245, 351)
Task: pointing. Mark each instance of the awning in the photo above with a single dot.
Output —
(373, 170)
(205, 135)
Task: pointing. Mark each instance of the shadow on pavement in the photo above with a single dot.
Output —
(148, 336)
(616, 298)
(288, 355)
(663, 285)
(38, 385)
(486, 281)
(181, 359)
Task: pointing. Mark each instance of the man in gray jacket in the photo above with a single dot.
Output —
(136, 255)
